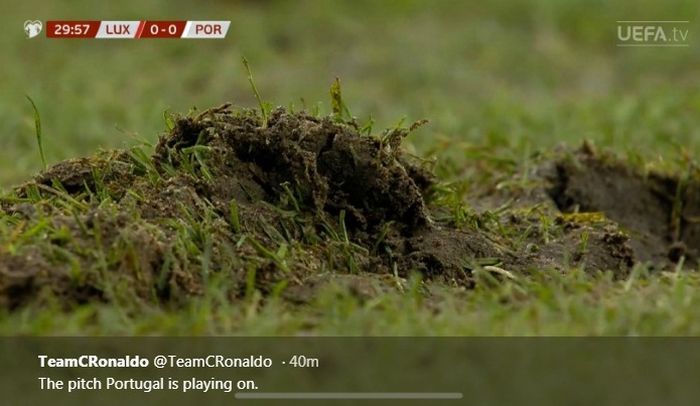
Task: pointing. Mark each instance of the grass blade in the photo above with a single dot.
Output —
(37, 129)
(263, 110)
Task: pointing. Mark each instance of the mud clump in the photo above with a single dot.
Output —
(364, 187)
(290, 202)
(321, 164)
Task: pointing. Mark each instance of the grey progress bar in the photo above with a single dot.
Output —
(349, 395)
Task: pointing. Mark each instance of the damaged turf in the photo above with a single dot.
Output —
(286, 205)
(658, 212)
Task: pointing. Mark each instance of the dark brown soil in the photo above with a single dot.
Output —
(299, 201)
(328, 167)
(658, 212)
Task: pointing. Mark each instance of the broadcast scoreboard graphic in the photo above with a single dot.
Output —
(132, 29)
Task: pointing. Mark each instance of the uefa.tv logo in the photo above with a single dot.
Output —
(652, 33)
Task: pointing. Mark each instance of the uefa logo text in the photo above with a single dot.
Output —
(652, 33)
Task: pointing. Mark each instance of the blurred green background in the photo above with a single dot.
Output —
(512, 75)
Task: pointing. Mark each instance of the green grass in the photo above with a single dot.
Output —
(571, 304)
(37, 129)
(498, 81)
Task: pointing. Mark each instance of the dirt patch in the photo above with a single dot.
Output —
(658, 212)
(285, 205)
